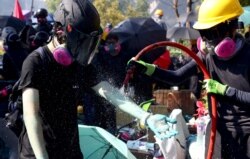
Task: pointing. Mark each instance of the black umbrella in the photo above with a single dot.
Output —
(190, 17)
(136, 33)
(11, 21)
(182, 33)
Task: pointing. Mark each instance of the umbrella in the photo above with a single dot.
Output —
(11, 21)
(97, 143)
(245, 17)
(182, 33)
(136, 33)
(191, 17)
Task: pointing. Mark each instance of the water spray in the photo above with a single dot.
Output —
(206, 76)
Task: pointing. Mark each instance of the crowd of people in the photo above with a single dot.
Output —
(74, 62)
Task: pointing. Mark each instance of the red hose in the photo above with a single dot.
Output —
(206, 76)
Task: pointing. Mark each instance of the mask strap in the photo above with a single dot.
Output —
(95, 49)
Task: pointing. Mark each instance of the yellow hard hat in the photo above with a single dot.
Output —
(213, 12)
(159, 12)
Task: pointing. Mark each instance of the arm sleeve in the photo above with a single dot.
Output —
(238, 96)
(176, 76)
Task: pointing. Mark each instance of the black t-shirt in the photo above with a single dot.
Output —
(59, 93)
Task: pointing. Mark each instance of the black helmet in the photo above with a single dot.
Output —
(80, 14)
(84, 22)
(40, 38)
(41, 13)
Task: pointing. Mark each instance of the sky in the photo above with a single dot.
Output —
(7, 6)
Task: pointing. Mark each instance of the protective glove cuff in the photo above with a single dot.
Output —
(150, 69)
(143, 121)
(222, 89)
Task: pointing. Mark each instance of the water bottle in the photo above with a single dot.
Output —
(144, 146)
(201, 128)
(80, 114)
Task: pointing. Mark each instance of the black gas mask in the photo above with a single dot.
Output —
(80, 23)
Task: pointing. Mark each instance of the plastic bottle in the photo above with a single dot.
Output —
(80, 114)
(141, 145)
(201, 128)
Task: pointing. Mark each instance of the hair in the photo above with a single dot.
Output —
(112, 36)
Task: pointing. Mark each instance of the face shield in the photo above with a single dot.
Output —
(82, 46)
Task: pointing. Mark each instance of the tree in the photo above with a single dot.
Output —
(112, 11)
(52, 4)
(115, 11)
(109, 11)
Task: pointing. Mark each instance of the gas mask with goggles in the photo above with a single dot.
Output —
(77, 27)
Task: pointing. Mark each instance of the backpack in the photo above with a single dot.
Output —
(14, 118)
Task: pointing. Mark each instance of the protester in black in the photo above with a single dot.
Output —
(111, 62)
(14, 54)
(226, 55)
(52, 88)
(42, 22)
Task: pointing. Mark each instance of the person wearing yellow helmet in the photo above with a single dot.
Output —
(226, 55)
(158, 15)
(159, 12)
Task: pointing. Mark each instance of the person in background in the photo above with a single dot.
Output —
(14, 54)
(41, 38)
(111, 62)
(42, 23)
(195, 84)
(247, 33)
(226, 55)
(53, 86)
(12, 61)
(158, 15)
(163, 62)
(105, 33)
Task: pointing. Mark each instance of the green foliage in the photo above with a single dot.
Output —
(112, 11)
(115, 11)
(177, 52)
(52, 4)
(109, 11)
(245, 2)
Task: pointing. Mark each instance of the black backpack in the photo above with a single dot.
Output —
(14, 118)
